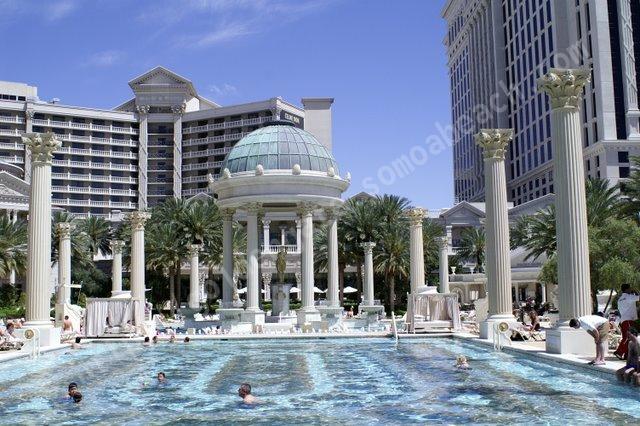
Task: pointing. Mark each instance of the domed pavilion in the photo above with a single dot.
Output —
(279, 175)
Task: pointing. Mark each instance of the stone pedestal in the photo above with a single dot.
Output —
(229, 317)
(567, 340)
(41, 148)
(564, 87)
(254, 317)
(487, 326)
(280, 299)
(331, 314)
(307, 316)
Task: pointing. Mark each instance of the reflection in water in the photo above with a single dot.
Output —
(308, 382)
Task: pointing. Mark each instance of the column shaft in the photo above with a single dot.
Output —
(444, 264)
(41, 148)
(227, 259)
(64, 263)
(306, 266)
(143, 141)
(116, 267)
(333, 296)
(416, 249)
(194, 277)
(253, 286)
(368, 274)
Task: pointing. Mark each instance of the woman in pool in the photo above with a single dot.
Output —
(630, 372)
(462, 363)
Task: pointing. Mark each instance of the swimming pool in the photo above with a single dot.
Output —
(330, 381)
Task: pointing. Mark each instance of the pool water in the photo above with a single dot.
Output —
(329, 381)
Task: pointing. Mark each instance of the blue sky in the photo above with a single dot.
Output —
(383, 62)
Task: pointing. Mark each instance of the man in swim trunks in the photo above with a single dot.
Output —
(245, 393)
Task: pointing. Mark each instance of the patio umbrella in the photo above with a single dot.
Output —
(242, 291)
(348, 289)
(294, 290)
(317, 290)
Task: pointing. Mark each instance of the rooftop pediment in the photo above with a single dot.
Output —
(162, 79)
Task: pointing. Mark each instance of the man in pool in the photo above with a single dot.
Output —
(598, 328)
(73, 393)
(67, 325)
(245, 393)
(162, 378)
(629, 373)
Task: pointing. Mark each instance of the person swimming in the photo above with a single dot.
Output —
(462, 363)
(172, 339)
(155, 339)
(187, 339)
(73, 393)
(245, 393)
(162, 378)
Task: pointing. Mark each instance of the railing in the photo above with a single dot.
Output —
(15, 146)
(70, 202)
(192, 179)
(120, 154)
(291, 248)
(84, 126)
(200, 166)
(14, 159)
(91, 164)
(97, 178)
(97, 191)
(212, 139)
(11, 132)
(13, 119)
(194, 191)
(93, 139)
(207, 152)
(227, 124)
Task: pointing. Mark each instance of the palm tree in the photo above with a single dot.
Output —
(630, 189)
(392, 257)
(13, 246)
(81, 255)
(99, 234)
(472, 246)
(345, 254)
(164, 253)
(360, 220)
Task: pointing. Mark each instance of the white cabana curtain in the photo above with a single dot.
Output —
(435, 307)
(118, 311)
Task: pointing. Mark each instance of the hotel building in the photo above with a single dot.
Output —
(497, 49)
(161, 143)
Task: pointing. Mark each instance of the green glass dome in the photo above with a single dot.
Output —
(279, 146)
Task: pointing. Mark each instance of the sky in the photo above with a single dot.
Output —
(384, 63)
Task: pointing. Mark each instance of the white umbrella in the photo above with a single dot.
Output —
(294, 290)
(242, 291)
(317, 290)
(348, 289)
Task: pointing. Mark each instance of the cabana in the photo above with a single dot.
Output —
(430, 311)
(106, 317)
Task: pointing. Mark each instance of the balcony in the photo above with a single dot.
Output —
(14, 146)
(212, 139)
(227, 125)
(84, 126)
(195, 191)
(207, 152)
(90, 203)
(195, 179)
(15, 159)
(92, 139)
(14, 119)
(96, 191)
(274, 249)
(11, 132)
(94, 165)
(202, 166)
(95, 178)
(96, 152)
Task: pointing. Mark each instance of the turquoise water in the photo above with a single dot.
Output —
(331, 381)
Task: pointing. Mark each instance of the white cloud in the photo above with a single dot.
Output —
(222, 34)
(59, 9)
(106, 58)
(223, 90)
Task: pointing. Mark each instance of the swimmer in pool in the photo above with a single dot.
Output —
(172, 339)
(162, 378)
(73, 393)
(462, 363)
(155, 339)
(245, 393)
(147, 341)
(187, 339)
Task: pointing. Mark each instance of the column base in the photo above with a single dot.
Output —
(567, 340)
(48, 334)
(229, 317)
(331, 314)
(194, 306)
(486, 326)
(254, 317)
(308, 315)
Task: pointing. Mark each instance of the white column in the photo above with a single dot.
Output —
(14, 219)
(194, 276)
(494, 143)
(41, 148)
(143, 140)
(28, 124)
(543, 291)
(564, 88)
(63, 230)
(253, 287)
(306, 266)
(298, 235)
(333, 293)
(265, 234)
(416, 249)
(368, 273)
(443, 245)
(266, 280)
(138, 220)
(177, 110)
(116, 267)
(298, 276)
(283, 235)
(228, 283)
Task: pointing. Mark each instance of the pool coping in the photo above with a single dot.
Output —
(26, 353)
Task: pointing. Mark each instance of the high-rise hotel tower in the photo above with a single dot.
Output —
(497, 49)
(161, 143)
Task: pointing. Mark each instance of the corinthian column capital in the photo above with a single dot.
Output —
(443, 242)
(227, 214)
(368, 247)
(143, 109)
(494, 142)
(41, 146)
(63, 229)
(194, 249)
(564, 86)
(306, 208)
(179, 109)
(116, 246)
(138, 219)
(416, 215)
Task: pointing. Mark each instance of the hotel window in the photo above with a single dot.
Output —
(624, 172)
(623, 156)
